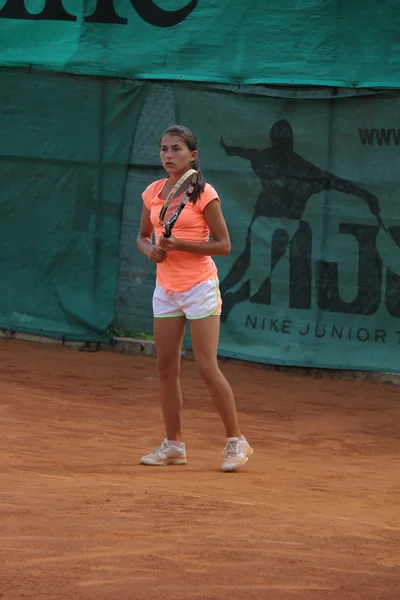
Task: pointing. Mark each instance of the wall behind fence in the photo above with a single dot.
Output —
(310, 190)
(353, 43)
(65, 143)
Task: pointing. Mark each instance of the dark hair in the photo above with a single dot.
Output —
(190, 139)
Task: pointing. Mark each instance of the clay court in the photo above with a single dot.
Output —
(314, 514)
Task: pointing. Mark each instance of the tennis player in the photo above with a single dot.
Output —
(187, 288)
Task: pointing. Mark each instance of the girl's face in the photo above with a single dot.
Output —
(175, 156)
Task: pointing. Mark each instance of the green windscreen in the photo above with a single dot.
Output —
(65, 143)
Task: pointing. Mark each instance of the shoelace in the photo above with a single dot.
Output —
(164, 447)
(232, 448)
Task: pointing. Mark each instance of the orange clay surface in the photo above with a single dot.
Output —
(315, 513)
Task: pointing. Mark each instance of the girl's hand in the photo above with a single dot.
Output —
(157, 254)
(169, 244)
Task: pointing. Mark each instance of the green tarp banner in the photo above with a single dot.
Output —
(65, 144)
(310, 191)
(302, 42)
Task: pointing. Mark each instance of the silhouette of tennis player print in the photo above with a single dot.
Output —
(288, 182)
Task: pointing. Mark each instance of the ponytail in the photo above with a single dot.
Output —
(200, 184)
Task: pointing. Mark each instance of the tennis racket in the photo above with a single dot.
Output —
(177, 200)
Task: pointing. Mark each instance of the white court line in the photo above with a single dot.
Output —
(44, 475)
(35, 473)
(258, 504)
(78, 480)
(107, 483)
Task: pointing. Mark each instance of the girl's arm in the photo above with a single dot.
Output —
(144, 239)
(220, 245)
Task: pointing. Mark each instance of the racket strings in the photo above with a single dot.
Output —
(179, 193)
(172, 207)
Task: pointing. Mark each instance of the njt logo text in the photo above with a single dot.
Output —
(105, 12)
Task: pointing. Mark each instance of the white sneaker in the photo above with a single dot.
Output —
(236, 452)
(169, 453)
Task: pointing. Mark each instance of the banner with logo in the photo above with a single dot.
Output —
(311, 193)
(310, 189)
(296, 42)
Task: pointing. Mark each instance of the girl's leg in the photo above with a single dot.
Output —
(168, 338)
(205, 336)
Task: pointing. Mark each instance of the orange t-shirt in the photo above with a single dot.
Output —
(182, 270)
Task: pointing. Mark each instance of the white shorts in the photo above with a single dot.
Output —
(200, 301)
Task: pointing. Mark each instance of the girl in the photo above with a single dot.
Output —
(187, 289)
